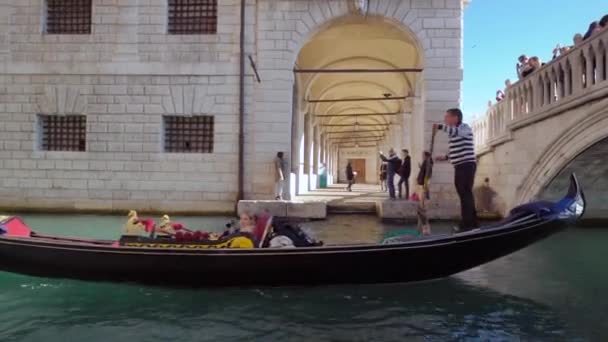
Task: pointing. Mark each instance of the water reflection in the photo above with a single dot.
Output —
(552, 290)
(450, 309)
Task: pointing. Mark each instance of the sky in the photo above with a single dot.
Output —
(496, 32)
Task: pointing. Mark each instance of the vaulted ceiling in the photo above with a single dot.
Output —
(358, 43)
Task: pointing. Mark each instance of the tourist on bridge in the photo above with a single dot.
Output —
(522, 66)
(462, 155)
(594, 28)
(604, 23)
(279, 176)
(404, 173)
(393, 164)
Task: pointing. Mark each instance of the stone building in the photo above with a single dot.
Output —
(116, 104)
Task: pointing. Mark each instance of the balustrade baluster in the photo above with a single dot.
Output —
(589, 61)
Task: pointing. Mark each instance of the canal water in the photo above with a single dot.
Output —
(553, 290)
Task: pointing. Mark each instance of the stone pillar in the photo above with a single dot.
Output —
(567, 81)
(321, 149)
(532, 95)
(559, 86)
(538, 92)
(589, 73)
(577, 73)
(508, 103)
(307, 143)
(314, 181)
(546, 91)
(600, 65)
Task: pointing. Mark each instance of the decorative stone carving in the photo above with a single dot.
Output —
(188, 100)
(61, 100)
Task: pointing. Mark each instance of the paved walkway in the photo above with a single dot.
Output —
(337, 194)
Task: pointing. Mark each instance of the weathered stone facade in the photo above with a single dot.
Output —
(129, 72)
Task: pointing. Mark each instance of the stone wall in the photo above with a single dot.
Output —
(124, 165)
(129, 72)
(520, 168)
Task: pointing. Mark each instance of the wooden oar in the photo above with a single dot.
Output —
(429, 167)
(423, 221)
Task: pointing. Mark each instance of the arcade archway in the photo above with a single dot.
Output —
(357, 83)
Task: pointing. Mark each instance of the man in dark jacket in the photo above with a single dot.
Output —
(393, 164)
(404, 173)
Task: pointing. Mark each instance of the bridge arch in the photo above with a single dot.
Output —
(558, 154)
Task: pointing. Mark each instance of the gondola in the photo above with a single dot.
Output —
(157, 261)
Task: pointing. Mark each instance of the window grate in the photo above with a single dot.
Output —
(192, 134)
(192, 16)
(64, 133)
(68, 16)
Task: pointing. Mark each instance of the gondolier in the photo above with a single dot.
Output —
(462, 155)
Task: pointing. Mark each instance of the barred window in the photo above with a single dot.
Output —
(63, 132)
(192, 134)
(192, 16)
(68, 16)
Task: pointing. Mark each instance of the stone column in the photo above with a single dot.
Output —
(314, 183)
(307, 143)
(559, 86)
(601, 61)
(590, 77)
(508, 103)
(567, 81)
(577, 73)
(321, 148)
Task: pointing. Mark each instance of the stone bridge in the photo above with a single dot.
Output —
(551, 123)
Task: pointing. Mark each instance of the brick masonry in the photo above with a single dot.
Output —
(129, 72)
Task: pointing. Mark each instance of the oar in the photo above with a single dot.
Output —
(423, 221)
(429, 167)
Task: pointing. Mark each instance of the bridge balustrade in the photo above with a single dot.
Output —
(581, 72)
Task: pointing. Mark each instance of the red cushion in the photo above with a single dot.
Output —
(149, 224)
(260, 227)
(16, 227)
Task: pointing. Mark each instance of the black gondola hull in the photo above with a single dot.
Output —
(416, 260)
(277, 267)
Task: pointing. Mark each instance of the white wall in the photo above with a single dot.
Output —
(129, 73)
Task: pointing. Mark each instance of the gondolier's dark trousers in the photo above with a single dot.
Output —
(464, 176)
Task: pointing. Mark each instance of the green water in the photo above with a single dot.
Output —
(553, 290)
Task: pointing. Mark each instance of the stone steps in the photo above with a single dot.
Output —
(359, 208)
(292, 209)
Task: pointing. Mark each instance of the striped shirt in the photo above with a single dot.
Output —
(461, 144)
